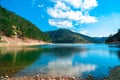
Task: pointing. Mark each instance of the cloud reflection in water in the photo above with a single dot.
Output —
(59, 67)
(65, 68)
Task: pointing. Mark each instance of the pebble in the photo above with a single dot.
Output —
(37, 77)
(2, 77)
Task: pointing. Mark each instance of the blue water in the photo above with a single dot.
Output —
(74, 60)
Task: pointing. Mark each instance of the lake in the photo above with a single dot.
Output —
(59, 60)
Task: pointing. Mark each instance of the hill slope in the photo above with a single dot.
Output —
(12, 25)
(114, 38)
(99, 39)
(67, 36)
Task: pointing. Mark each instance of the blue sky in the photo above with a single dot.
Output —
(89, 17)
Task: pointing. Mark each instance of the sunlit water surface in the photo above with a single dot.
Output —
(60, 60)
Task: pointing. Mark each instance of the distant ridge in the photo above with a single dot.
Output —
(114, 38)
(66, 36)
(12, 25)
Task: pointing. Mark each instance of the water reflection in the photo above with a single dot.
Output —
(66, 68)
(115, 49)
(16, 58)
(60, 67)
(65, 51)
(61, 59)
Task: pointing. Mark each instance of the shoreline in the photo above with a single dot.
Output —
(18, 42)
(39, 77)
(114, 75)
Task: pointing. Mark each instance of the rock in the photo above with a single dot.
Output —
(37, 76)
(1, 77)
(73, 78)
(6, 76)
(90, 77)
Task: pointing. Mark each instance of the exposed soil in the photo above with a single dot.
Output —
(14, 41)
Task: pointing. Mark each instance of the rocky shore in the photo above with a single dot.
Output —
(114, 75)
(44, 77)
(38, 77)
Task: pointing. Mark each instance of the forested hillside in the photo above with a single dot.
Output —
(12, 25)
(114, 38)
(67, 36)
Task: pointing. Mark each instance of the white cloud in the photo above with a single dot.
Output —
(62, 10)
(89, 4)
(88, 19)
(61, 5)
(70, 15)
(83, 31)
(61, 24)
(83, 4)
(74, 3)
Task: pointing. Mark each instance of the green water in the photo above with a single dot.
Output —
(13, 59)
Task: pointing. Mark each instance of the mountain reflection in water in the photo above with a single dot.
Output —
(14, 59)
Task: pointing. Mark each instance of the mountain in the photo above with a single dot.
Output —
(99, 39)
(67, 36)
(114, 38)
(12, 25)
